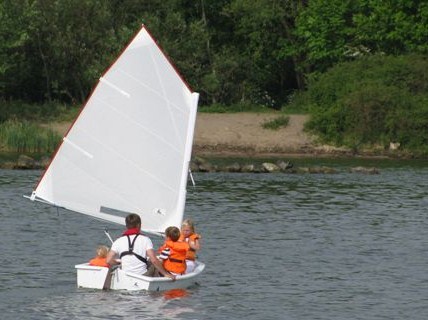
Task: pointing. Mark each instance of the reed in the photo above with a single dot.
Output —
(25, 136)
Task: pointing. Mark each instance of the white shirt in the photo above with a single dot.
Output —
(130, 262)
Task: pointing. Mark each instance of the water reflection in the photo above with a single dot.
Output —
(175, 294)
(88, 304)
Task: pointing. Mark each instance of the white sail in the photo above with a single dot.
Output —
(130, 147)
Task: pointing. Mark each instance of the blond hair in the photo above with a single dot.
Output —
(102, 251)
(189, 223)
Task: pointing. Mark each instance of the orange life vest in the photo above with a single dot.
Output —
(99, 262)
(191, 254)
(176, 261)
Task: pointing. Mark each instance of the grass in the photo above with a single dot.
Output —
(45, 112)
(25, 136)
(220, 108)
(21, 130)
(277, 123)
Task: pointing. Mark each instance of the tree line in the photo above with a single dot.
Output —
(249, 52)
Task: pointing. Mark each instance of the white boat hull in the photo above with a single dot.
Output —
(98, 278)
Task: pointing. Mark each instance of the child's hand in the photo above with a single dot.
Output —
(171, 276)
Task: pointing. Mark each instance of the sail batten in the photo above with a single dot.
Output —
(126, 94)
(66, 140)
(176, 107)
(130, 147)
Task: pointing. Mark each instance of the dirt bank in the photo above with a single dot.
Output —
(243, 134)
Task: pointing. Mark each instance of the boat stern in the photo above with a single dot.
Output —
(91, 276)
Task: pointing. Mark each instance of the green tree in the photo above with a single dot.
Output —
(73, 41)
(331, 31)
(262, 30)
(14, 35)
(231, 51)
(57, 48)
(324, 31)
(393, 27)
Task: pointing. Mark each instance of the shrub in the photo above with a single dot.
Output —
(371, 101)
(276, 123)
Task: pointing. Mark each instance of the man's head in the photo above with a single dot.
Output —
(133, 221)
(173, 233)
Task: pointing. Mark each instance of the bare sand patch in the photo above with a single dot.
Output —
(243, 133)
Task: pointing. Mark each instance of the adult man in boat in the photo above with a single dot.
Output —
(133, 249)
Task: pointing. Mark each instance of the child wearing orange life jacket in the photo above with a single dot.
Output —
(100, 259)
(173, 253)
(188, 235)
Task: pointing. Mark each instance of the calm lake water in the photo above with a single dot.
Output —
(276, 246)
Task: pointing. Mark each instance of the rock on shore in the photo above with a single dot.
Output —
(199, 164)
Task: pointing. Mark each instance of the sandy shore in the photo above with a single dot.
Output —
(243, 134)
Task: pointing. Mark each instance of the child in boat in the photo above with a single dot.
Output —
(173, 252)
(100, 259)
(189, 235)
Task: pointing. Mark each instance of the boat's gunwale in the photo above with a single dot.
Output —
(200, 267)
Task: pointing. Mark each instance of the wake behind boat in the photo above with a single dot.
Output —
(128, 152)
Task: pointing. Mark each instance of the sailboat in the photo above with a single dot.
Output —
(128, 151)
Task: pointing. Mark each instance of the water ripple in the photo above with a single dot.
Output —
(341, 246)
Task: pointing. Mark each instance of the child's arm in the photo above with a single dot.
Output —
(164, 254)
(158, 265)
(195, 244)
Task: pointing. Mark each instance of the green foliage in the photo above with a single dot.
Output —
(374, 100)
(392, 27)
(277, 123)
(324, 30)
(332, 31)
(49, 111)
(26, 136)
(235, 108)
(261, 30)
(214, 108)
(63, 46)
(298, 103)
(254, 52)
